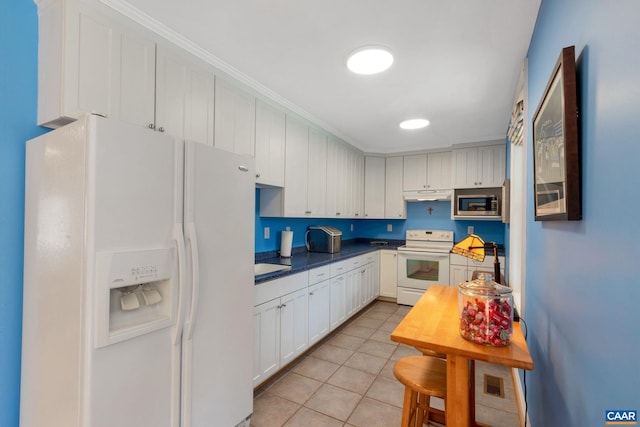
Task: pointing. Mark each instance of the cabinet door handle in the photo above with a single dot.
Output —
(257, 175)
(337, 213)
(243, 168)
(310, 293)
(151, 126)
(307, 212)
(160, 129)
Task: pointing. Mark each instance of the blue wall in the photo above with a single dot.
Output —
(582, 291)
(418, 217)
(18, 81)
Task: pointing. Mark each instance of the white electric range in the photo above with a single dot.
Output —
(423, 261)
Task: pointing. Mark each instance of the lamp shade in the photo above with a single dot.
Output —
(471, 246)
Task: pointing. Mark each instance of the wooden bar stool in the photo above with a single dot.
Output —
(472, 381)
(423, 377)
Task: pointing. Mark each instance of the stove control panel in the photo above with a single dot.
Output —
(430, 235)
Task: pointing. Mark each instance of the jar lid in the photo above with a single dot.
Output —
(484, 286)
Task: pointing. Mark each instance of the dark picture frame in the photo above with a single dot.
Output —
(556, 145)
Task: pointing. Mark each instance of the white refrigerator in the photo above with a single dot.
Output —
(138, 280)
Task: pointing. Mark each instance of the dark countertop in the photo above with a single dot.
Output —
(301, 260)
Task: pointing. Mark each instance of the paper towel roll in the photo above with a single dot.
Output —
(285, 243)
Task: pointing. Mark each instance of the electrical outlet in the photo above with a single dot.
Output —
(389, 228)
(267, 233)
(470, 229)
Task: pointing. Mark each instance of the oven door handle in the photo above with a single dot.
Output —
(424, 255)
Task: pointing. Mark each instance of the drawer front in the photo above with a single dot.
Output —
(371, 257)
(354, 262)
(277, 288)
(319, 274)
(338, 268)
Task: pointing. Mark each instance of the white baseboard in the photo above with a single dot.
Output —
(520, 402)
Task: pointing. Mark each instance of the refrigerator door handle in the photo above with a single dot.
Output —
(195, 285)
(179, 238)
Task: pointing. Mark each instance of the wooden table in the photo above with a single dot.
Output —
(433, 323)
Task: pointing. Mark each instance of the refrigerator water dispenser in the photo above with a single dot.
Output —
(136, 293)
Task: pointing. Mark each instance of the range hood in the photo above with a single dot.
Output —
(426, 195)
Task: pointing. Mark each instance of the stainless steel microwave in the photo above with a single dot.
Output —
(478, 203)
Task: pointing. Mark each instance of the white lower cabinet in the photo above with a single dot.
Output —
(319, 310)
(338, 311)
(280, 319)
(294, 315)
(388, 273)
(295, 312)
(280, 333)
(266, 340)
(353, 282)
(369, 278)
(461, 269)
(369, 286)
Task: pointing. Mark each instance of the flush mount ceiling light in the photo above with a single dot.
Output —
(369, 60)
(414, 124)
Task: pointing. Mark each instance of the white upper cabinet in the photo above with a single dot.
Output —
(199, 105)
(430, 171)
(345, 181)
(92, 60)
(358, 185)
(89, 63)
(476, 167)
(269, 151)
(414, 172)
(296, 168)
(304, 193)
(171, 88)
(394, 205)
(185, 94)
(374, 186)
(336, 163)
(439, 171)
(235, 115)
(134, 101)
(317, 173)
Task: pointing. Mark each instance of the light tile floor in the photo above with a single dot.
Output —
(348, 381)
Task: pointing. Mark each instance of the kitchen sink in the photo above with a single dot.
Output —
(264, 268)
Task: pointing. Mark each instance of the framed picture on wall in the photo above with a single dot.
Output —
(556, 145)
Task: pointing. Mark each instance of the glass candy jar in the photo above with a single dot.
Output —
(486, 311)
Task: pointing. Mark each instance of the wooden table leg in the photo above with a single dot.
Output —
(457, 403)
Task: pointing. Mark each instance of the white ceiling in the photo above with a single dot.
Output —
(457, 62)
